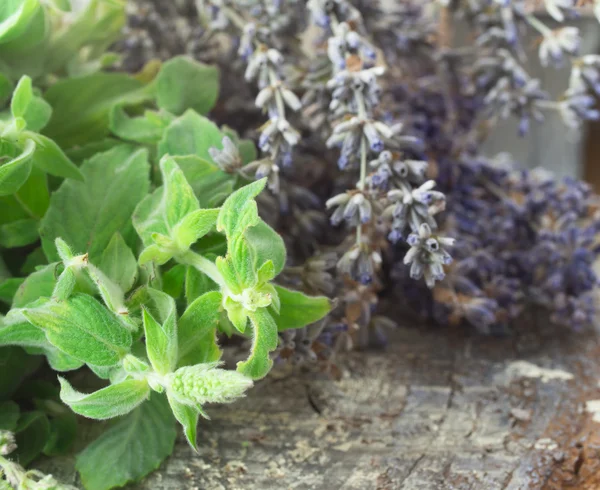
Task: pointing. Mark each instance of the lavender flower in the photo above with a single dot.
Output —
(428, 255)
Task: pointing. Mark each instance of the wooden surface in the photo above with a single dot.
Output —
(437, 410)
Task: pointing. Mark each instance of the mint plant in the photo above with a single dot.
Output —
(130, 252)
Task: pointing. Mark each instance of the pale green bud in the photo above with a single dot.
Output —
(205, 383)
(7, 442)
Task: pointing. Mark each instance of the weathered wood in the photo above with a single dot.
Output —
(436, 410)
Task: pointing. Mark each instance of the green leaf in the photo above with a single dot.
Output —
(196, 284)
(190, 134)
(63, 432)
(9, 287)
(15, 366)
(147, 129)
(163, 209)
(19, 233)
(6, 89)
(82, 106)
(239, 211)
(87, 214)
(51, 159)
(135, 446)
(31, 435)
(267, 245)
(197, 330)
(38, 114)
(22, 97)
(15, 16)
(39, 284)
(264, 341)
(113, 401)
(173, 280)
(82, 328)
(188, 417)
(184, 83)
(9, 414)
(15, 172)
(194, 226)
(210, 184)
(161, 338)
(298, 310)
(119, 263)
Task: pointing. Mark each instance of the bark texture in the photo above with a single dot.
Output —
(436, 410)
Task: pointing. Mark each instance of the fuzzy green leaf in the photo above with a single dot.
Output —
(184, 83)
(264, 341)
(298, 310)
(22, 97)
(15, 16)
(82, 328)
(239, 211)
(197, 330)
(9, 414)
(147, 129)
(133, 447)
(39, 284)
(107, 403)
(190, 134)
(267, 245)
(50, 158)
(118, 263)
(211, 185)
(38, 114)
(188, 417)
(194, 226)
(82, 106)
(15, 172)
(32, 433)
(161, 338)
(19, 233)
(163, 209)
(87, 214)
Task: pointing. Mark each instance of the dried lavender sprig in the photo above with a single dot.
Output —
(356, 96)
(256, 24)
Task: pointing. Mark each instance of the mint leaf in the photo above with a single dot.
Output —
(82, 328)
(19, 233)
(165, 207)
(50, 158)
(133, 447)
(264, 341)
(31, 434)
(210, 184)
(15, 171)
(188, 417)
(147, 129)
(87, 214)
(190, 134)
(239, 211)
(107, 403)
(9, 414)
(39, 284)
(119, 263)
(184, 83)
(22, 96)
(82, 106)
(267, 245)
(197, 332)
(161, 338)
(15, 16)
(298, 310)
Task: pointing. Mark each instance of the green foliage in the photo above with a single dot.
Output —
(132, 252)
